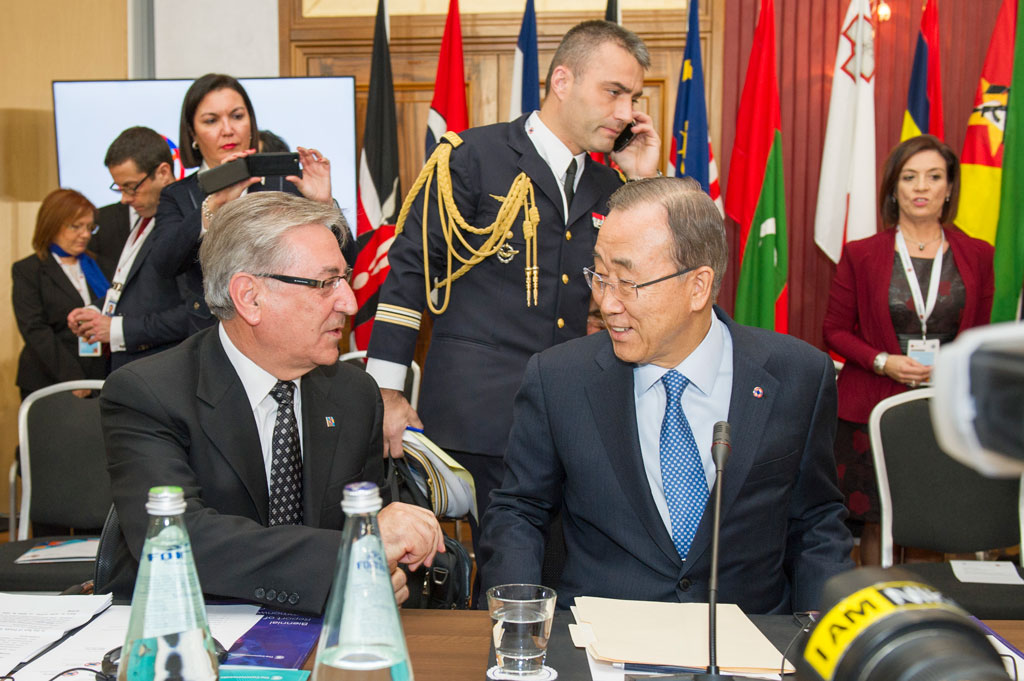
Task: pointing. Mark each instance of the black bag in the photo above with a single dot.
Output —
(445, 584)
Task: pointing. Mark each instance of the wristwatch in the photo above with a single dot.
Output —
(879, 364)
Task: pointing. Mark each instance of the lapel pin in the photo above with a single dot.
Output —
(597, 219)
(330, 421)
(758, 392)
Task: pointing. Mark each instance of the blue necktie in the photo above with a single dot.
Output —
(682, 473)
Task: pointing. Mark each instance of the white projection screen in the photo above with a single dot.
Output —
(310, 112)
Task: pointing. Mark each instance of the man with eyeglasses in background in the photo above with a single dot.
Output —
(144, 312)
(615, 430)
(256, 419)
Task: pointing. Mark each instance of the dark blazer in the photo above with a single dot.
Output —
(176, 251)
(182, 418)
(479, 347)
(858, 324)
(43, 296)
(155, 315)
(112, 233)
(574, 441)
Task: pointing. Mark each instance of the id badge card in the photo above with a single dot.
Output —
(110, 303)
(923, 352)
(89, 349)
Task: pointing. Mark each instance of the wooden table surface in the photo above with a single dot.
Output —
(447, 645)
(1011, 630)
(452, 645)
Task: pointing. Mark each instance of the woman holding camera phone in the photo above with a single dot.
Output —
(218, 125)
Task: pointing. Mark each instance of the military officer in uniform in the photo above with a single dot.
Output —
(512, 211)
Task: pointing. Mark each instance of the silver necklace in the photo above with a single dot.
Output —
(921, 244)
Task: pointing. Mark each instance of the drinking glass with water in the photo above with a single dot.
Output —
(521, 616)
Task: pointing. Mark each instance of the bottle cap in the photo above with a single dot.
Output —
(361, 497)
(167, 500)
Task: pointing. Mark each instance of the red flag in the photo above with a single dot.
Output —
(448, 108)
(755, 196)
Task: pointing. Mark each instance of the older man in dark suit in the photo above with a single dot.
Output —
(615, 430)
(219, 415)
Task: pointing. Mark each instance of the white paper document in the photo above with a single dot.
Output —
(986, 571)
(87, 647)
(673, 634)
(29, 623)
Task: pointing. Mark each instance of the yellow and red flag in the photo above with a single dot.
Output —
(982, 158)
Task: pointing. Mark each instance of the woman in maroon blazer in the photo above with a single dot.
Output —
(876, 306)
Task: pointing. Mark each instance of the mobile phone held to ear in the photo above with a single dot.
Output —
(624, 138)
(256, 165)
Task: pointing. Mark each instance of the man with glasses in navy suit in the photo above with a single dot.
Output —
(615, 430)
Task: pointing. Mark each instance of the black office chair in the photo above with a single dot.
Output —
(930, 501)
(64, 483)
(116, 567)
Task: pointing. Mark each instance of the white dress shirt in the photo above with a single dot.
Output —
(705, 402)
(124, 265)
(76, 276)
(258, 383)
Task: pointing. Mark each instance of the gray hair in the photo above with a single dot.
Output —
(576, 51)
(245, 236)
(696, 225)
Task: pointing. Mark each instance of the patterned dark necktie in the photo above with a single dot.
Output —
(682, 473)
(286, 465)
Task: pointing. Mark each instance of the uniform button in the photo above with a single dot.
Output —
(259, 593)
(508, 234)
(271, 594)
(282, 597)
(560, 322)
(195, 305)
(565, 278)
(293, 599)
(685, 583)
(568, 235)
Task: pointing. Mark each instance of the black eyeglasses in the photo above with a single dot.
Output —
(623, 289)
(131, 191)
(326, 285)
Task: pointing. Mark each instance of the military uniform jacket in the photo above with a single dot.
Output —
(480, 345)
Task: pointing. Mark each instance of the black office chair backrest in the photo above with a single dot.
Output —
(938, 503)
(68, 462)
(116, 567)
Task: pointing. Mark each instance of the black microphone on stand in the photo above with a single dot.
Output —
(721, 447)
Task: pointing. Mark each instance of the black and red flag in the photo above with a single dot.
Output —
(379, 190)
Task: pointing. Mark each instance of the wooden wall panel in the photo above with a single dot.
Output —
(807, 34)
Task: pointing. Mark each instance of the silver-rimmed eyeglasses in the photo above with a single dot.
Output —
(623, 289)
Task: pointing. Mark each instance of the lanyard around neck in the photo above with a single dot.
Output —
(922, 309)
